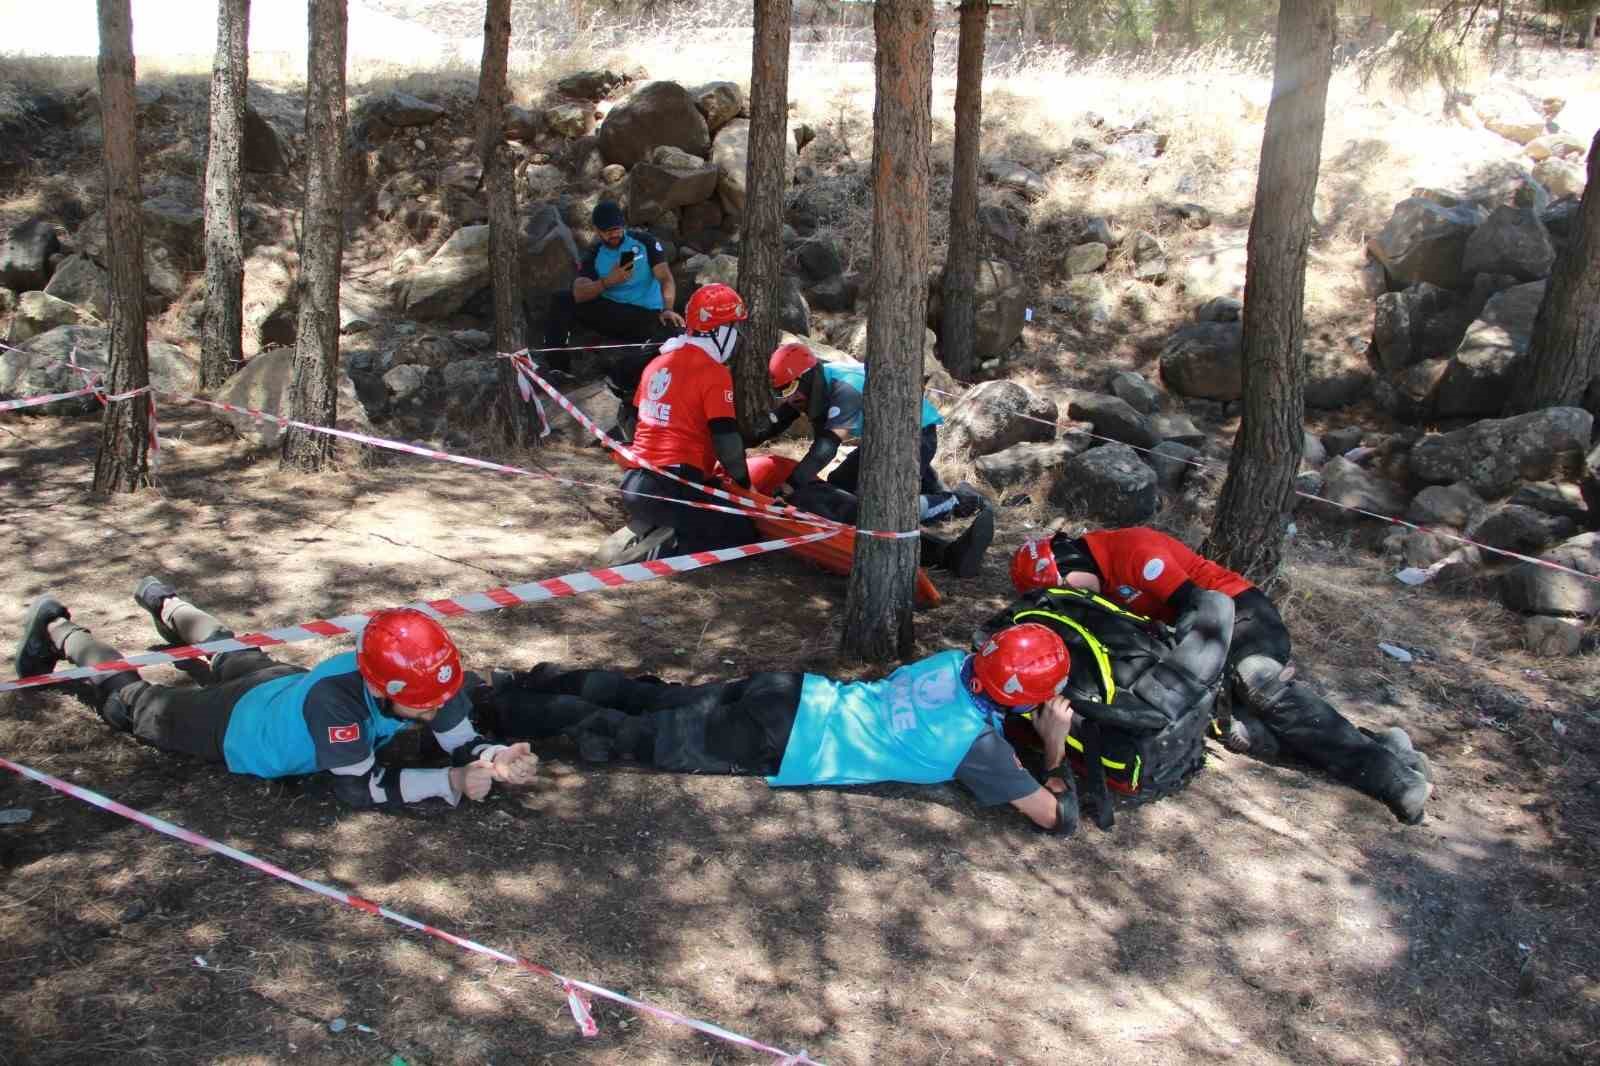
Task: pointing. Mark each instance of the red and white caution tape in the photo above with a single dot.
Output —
(577, 991)
(526, 368)
(450, 607)
(39, 401)
(1445, 533)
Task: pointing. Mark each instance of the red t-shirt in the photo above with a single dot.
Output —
(681, 391)
(1141, 569)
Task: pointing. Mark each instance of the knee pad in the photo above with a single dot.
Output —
(1258, 681)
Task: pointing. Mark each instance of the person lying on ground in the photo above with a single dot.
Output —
(1153, 574)
(686, 424)
(271, 719)
(624, 289)
(936, 720)
(830, 396)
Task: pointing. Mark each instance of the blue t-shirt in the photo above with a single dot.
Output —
(316, 720)
(845, 384)
(918, 725)
(643, 289)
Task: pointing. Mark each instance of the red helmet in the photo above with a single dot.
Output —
(790, 360)
(712, 306)
(409, 658)
(1034, 566)
(1021, 666)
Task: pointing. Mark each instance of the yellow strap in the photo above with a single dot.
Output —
(1101, 658)
(1109, 605)
(1077, 745)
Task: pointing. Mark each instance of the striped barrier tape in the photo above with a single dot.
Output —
(450, 607)
(39, 401)
(525, 366)
(577, 991)
(1445, 533)
(467, 460)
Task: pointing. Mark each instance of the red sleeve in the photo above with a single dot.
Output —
(719, 394)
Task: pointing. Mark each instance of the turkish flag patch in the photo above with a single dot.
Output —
(343, 734)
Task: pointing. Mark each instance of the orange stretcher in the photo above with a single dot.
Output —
(835, 554)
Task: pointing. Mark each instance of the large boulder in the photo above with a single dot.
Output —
(1205, 361)
(1491, 456)
(1479, 375)
(1012, 175)
(993, 416)
(595, 400)
(669, 179)
(263, 385)
(590, 84)
(1445, 505)
(1508, 111)
(262, 149)
(1554, 498)
(550, 257)
(660, 112)
(855, 346)
(1512, 241)
(1518, 528)
(1426, 241)
(1136, 391)
(1002, 305)
(1334, 379)
(401, 110)
(1562, 177)
(271, 305)
(1029, 461)
(444, 284)
(1348, 484)
(39, 312)
(1397, 324)
(1113, 417)
(719, 102)
(470, 386)
(1557, 146)
(38, 370)
(1540, 590)
(730, 151)
(794, 314)
(81, 281)
(25, 255)
(1109, 484)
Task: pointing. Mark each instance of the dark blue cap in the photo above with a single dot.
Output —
(607, 215)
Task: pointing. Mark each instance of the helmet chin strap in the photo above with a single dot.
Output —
(725, 339)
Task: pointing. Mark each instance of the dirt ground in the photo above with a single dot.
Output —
(1264, 916)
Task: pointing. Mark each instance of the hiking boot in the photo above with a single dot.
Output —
(1409, 797)
(1398, 741)
(151, 593)
(964, 557)
(625, 546)
(1248, 734)
(1259, 692)
(36, 652)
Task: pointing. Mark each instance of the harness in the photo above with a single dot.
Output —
(1129, 745)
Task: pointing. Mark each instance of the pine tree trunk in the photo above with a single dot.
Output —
(1248, 532)
(505, 245)
(1564, 352)
(222, 325)
(123, 462)
(314, 390)
(877, 622)
(958, 326)
(761, 245)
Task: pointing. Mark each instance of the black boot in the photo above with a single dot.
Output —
(151, 594)
(36, 652)
(963, 556)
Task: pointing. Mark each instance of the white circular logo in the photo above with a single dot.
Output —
(1152, 569)
(833, 412)
(446, 672)
(659, 382)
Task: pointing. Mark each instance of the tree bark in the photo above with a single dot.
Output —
(958, 326)
(1564, 351)
(761, 245)
(1248, 532)
(877, 622)
(222, 325)
(123, 461)
(505, 246)
(314, 390)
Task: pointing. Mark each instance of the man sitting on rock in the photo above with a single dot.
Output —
(1147, 572)
(624, 291)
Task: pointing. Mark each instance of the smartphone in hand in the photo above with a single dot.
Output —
(626, 262)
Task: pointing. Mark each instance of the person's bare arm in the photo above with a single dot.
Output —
(669, 295)
(1041, 807)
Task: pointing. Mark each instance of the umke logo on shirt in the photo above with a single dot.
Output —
(653, 410)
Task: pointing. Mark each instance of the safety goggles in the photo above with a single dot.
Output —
(783, 392)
